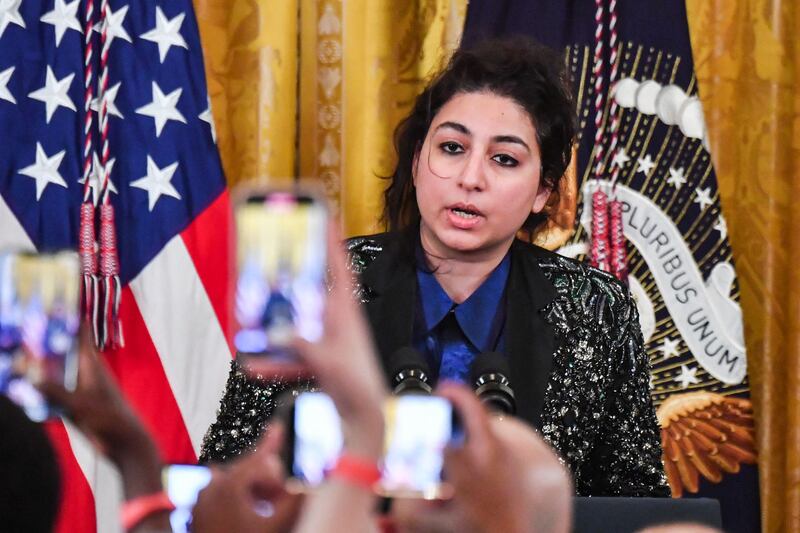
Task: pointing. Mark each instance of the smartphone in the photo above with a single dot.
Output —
(39, 321)
(418, 429)
(281, 265)
(183, 483)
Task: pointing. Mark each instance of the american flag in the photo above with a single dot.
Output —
(172, 211)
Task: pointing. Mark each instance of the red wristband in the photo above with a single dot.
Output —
(137, 509)
(356, 470)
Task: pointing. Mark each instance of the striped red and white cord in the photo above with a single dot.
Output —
(88, 94)
(105, 44)
(111, 330)
(613, 46)
(599, 95)
(87, 241)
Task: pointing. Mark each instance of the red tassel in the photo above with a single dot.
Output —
(600, 251)
(619, 252)
(112, 287)
(87, 254)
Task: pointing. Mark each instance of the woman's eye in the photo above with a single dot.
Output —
(451, 148)
(505, 160)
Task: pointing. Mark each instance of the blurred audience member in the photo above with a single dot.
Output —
(29, 484)
(97, 408)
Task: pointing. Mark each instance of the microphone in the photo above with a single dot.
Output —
(410, 372)
(489, 377)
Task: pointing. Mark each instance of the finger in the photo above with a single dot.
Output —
(272, 441)
(88, 364)
(55, 393)
(474, 417)
(86, 342)
(308, 354)
(261, 472)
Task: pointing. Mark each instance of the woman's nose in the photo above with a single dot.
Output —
(473, 175)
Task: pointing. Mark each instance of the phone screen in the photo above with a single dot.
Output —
(39, 321)
(182, 484)
(418, 429)
(280, 289)
(317, 441)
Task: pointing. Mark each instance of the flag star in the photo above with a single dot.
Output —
(63, 17)
(9, 14)
(645, 164)
(166, 34)
(669, 348)
(676, 177)
(650, 383)
(703, 197)
(5, 94)
(620, 158)
(157, 182)
(114, 20)
(688, 376)
(54, 93)
(163, 108)
(111, 96)
(722, 227)
(45, 170)
(96, 177)
(205, 116)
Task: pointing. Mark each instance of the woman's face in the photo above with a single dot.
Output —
(477, 176)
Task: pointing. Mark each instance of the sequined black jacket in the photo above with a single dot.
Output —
(576, 356)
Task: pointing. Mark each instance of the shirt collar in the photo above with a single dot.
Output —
(476, 314)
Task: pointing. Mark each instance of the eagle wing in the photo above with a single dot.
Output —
(704, 434)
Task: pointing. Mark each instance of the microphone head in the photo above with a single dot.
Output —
(489, 377)
(410, 372)
(489, 363)
(405, 358)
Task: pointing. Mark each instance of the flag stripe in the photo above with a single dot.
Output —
(173, 218)
(77, 509)
(103, 479)
(209, 240)
(139, 372)
(13, 236)
(176, 309)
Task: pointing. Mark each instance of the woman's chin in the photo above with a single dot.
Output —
(462, 242)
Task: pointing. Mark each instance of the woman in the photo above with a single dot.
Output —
(479, 158)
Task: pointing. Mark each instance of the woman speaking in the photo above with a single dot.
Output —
(478, 160)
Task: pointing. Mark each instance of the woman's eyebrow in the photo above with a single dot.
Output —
(510, 139)
(454, 125)
(496, 139)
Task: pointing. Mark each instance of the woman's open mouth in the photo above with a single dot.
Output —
(464, 216)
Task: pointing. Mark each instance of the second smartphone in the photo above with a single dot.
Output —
(418, 429)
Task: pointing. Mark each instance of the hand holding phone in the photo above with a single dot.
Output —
(281, 258)
(96, 406)
(342, 358)
(418, 430)
(247, 494)
(39, 319)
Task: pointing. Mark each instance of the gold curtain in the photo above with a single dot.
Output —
(747, 57)
(250, 55)
(314, 88)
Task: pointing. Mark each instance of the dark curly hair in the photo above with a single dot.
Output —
(518, 68)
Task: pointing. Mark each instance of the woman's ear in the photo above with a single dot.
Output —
(414, 163)
(540, 200)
